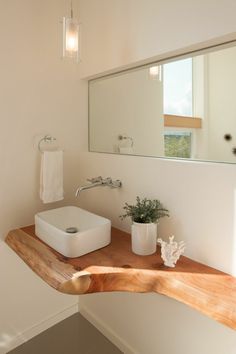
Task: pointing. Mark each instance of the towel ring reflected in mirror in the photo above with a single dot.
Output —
(124, 137)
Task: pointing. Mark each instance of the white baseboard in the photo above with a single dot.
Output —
(40, 327)
(106, 331)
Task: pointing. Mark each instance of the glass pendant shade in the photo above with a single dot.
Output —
(70, 38)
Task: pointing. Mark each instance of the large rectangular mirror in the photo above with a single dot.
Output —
(182, 108)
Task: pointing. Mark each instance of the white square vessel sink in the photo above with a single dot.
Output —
(72, 231)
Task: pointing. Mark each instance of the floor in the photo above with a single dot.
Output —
(75, 335)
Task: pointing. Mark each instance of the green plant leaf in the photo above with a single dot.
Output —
(145, 211)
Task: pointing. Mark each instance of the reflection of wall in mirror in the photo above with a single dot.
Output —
(200, 136)
(133, 107)
(222, 103)
(214, 77)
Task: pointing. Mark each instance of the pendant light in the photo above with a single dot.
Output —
(71, 36)
(155, 72)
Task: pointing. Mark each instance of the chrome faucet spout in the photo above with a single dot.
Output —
(99, 181)
(87, 186)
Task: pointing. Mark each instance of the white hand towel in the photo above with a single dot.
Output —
(51, 176)
(126, 150)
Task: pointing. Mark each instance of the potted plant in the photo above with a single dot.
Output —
(145, 215)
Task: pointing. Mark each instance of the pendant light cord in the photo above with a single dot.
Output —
(71, 9)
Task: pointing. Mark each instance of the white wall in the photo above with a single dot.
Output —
(200, 196)
(39, 94)
(119, 32)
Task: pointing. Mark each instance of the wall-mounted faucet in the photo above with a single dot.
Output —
(99, 181)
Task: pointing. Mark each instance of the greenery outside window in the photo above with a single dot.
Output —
(178, 144)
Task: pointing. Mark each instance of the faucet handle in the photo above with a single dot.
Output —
(116, 184)
(95, 179)
(107, 181)
(113, 184)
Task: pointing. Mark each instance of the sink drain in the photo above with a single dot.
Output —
(72, 230)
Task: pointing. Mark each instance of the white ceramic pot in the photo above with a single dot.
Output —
(144, 238)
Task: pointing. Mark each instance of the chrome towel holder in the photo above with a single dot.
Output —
(45, 139)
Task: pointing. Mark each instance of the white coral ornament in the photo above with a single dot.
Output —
(171, 251)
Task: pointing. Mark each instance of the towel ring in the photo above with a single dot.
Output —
(45, 139)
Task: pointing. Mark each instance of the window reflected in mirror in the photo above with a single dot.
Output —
(178, 88)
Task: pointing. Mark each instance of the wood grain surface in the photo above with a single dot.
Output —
(116, 268)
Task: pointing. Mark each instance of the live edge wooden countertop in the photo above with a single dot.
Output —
(116, 268)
